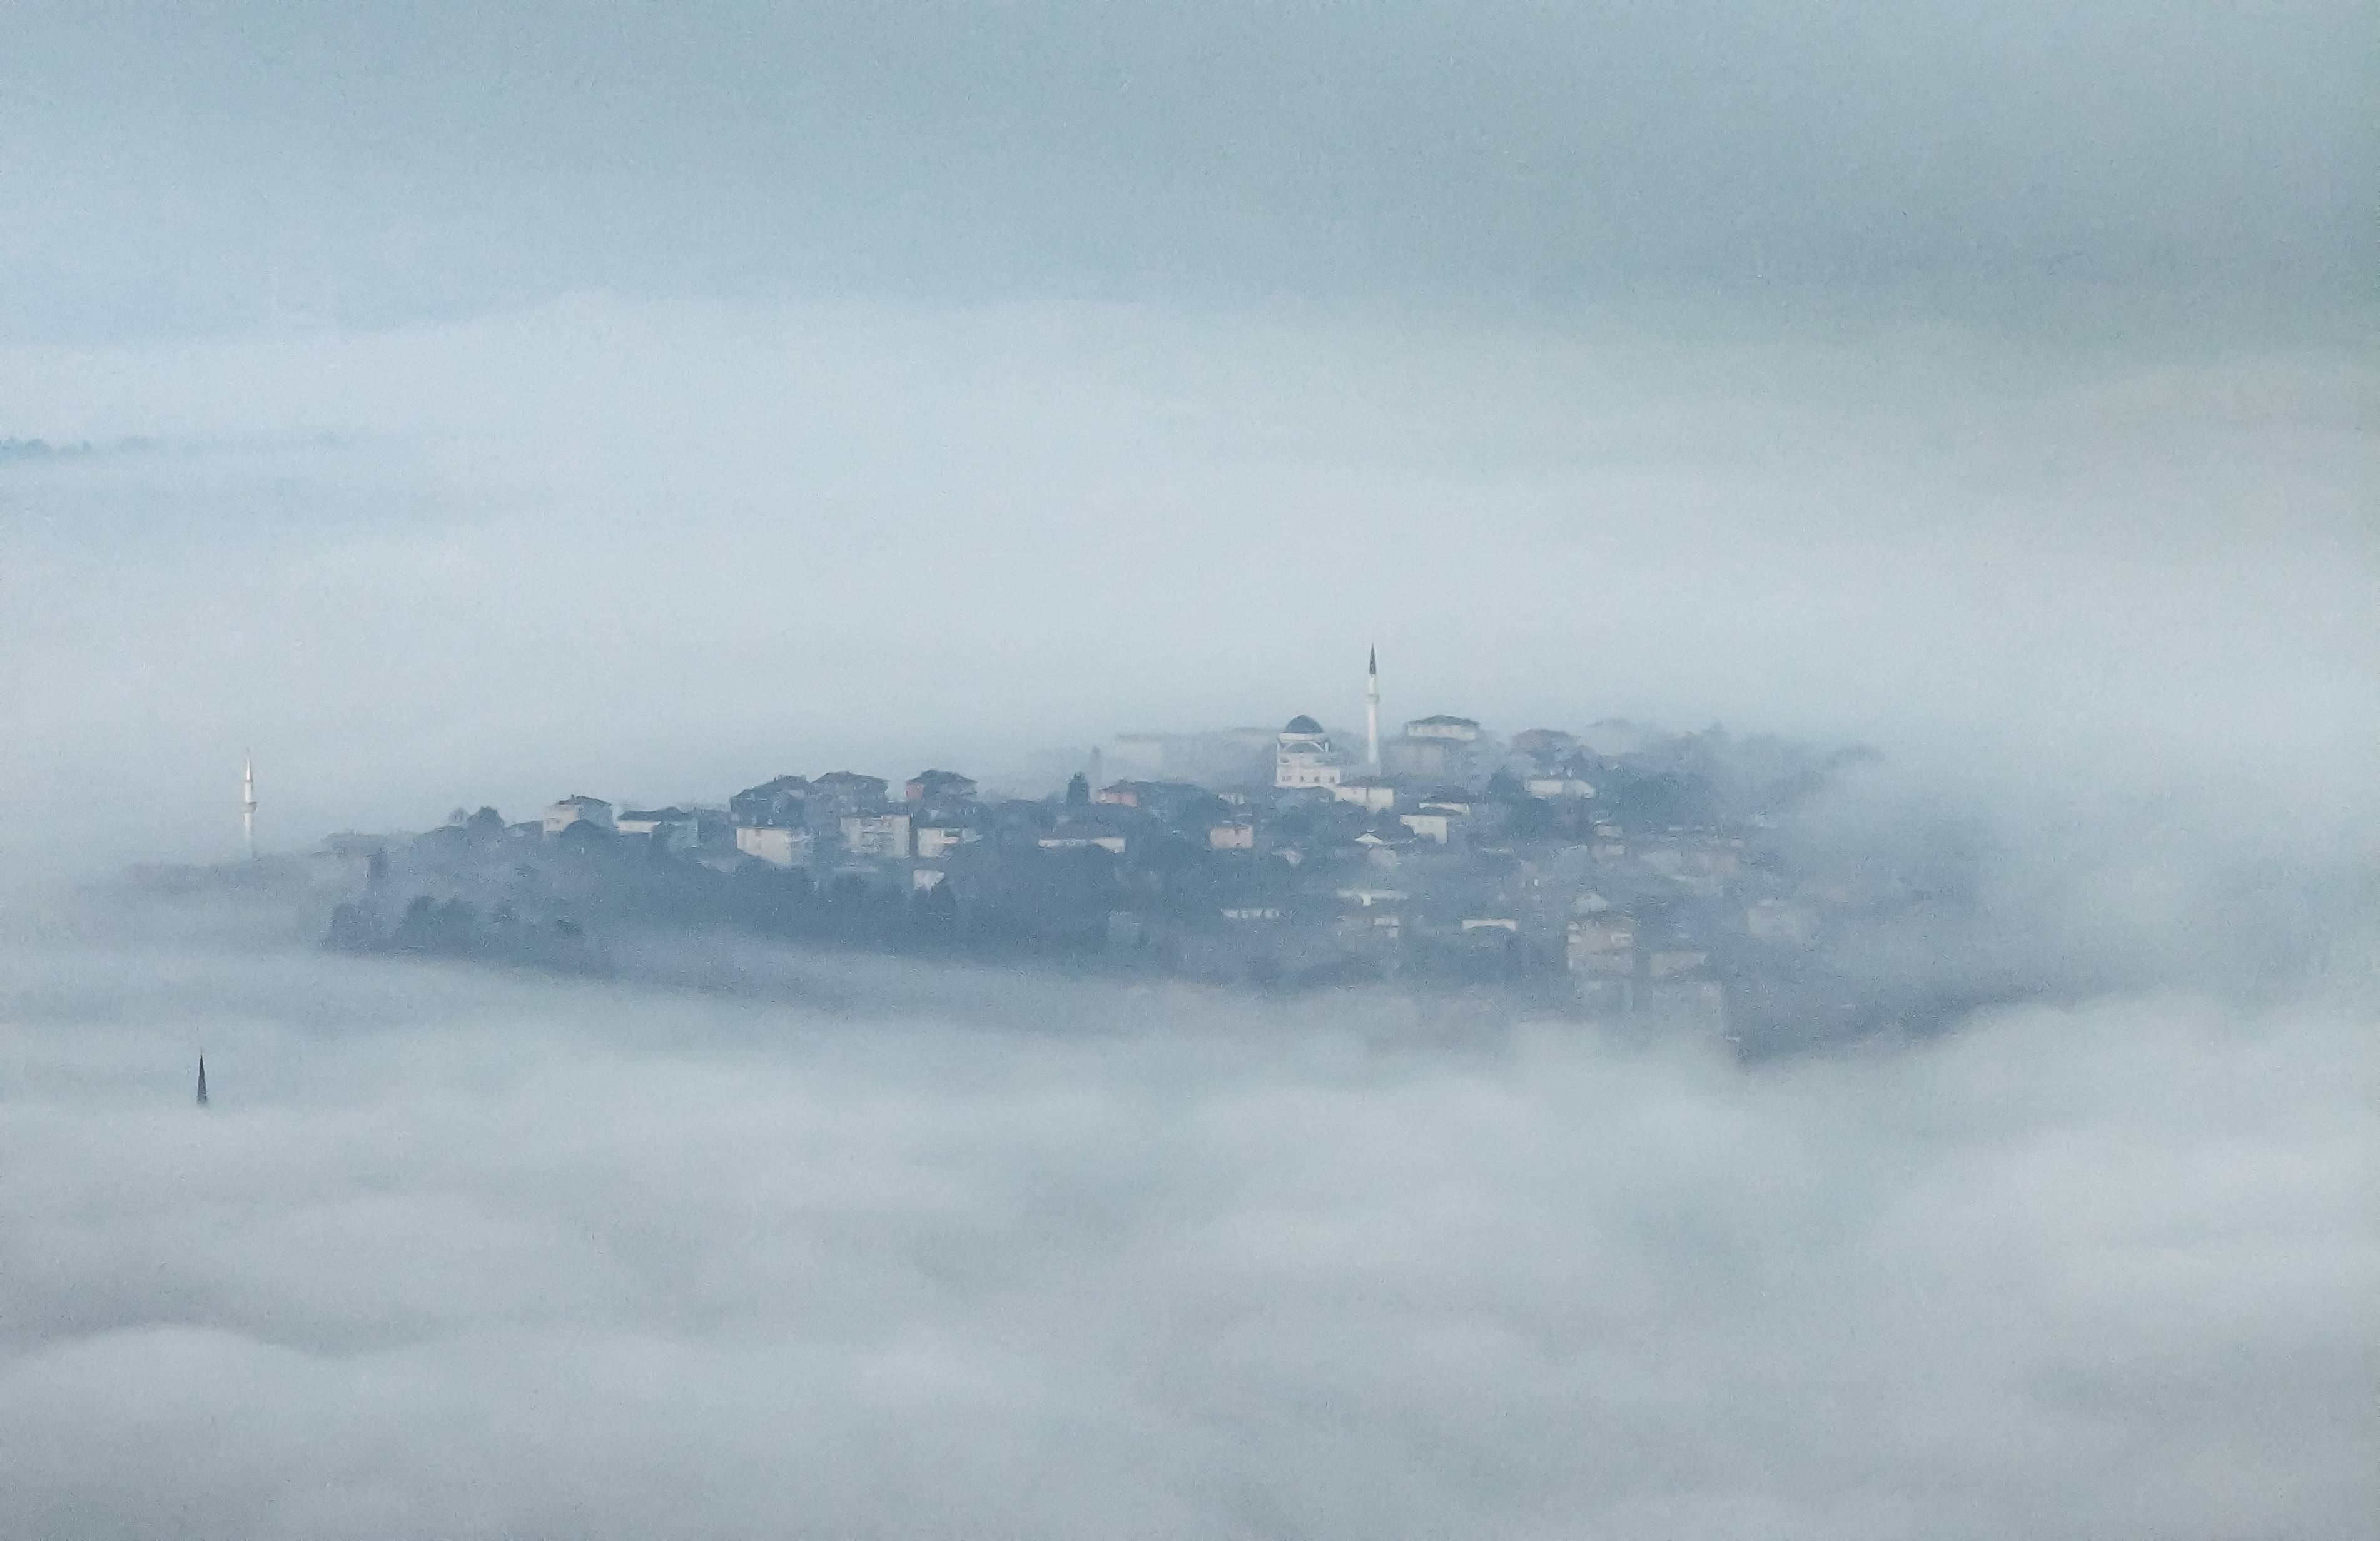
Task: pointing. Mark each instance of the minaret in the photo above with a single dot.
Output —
(202, 1081)
(248, 810)
(1372, 713)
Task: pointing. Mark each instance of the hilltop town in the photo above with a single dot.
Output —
(1613, 872)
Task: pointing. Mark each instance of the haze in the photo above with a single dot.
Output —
(463, 405)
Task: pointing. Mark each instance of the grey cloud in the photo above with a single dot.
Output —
(458, 1254)
(206, 167)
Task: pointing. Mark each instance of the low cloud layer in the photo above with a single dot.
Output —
(463, 1254)
(660, 553)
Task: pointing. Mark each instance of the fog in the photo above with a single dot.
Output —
(454, 406)
(544, 399)
(662, 552)
(460, 1254)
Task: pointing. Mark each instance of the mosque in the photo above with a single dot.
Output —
(1304, 755)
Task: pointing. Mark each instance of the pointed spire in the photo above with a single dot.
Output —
(1372, 710)
(202, 1081)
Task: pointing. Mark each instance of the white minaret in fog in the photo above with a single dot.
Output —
(247, 809)
(1372, 713)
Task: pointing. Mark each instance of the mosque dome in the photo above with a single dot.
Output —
(1302, 723)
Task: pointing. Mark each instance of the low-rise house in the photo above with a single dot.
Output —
(1435, 825)
(1559, 785)
(1184, 805)
(880, 835)
(1370, 926)
(850, 792)
(1675, 962)
(784, 801)
(560, 815)
(937, 837)
(1604, 943)
(1232, 835)
(1374, 793)
(673, 829)
(1252, 913)
(1083, 840)
(1367, 898)
(777, 844)
(938, 789)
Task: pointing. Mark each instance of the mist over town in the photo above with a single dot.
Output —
(1044, 770)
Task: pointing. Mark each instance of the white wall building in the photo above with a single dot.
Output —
(673, 829)
(1436, 824)
(938, 840)
(1375, 793)
(573, 809)
(877, 834)
(774, 844)
(1112, 843)
(1304, 756)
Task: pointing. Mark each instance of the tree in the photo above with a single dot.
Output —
(1532, 818)
(1078, 790)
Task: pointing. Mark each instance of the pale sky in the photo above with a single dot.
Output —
(205, 166)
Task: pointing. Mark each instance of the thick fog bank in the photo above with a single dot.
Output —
(455, 1253)
(658, 551)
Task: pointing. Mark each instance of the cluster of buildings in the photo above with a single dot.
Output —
(1564, 858)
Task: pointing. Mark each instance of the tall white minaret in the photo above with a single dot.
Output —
(1372, 713)
(247, 806)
